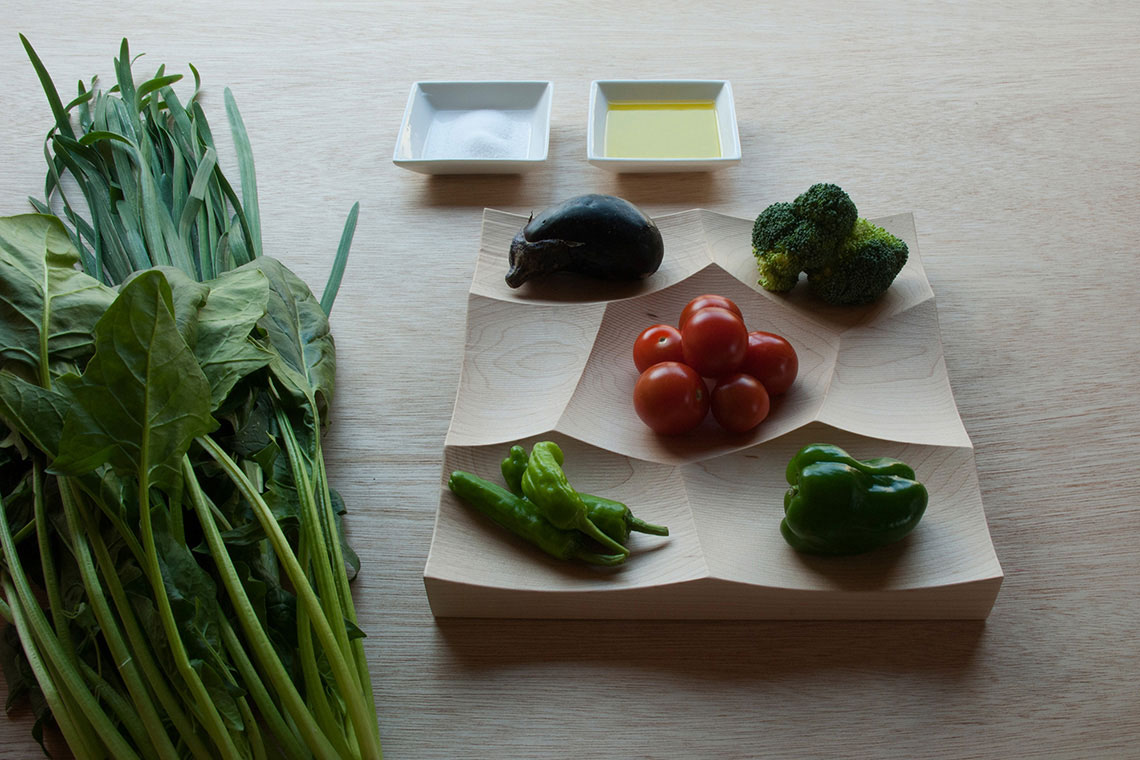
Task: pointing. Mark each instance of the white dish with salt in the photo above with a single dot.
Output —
(484, 127)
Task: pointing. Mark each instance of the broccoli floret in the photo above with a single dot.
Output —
(773, 236)
(779, 272)
(863, 268)
(829, 208)
(774, 224)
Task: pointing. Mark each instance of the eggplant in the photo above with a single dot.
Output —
(595, 235)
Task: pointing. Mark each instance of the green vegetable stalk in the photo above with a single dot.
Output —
(164, 503)
(841, 505)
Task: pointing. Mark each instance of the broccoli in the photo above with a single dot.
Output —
(863, 269)
(848, 260)
(777, 236)
(828, 208)
(789, 238)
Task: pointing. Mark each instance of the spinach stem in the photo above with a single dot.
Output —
(124, 658)
(68, 676)
(345, 593)
(314, 527)
(140, 646)
(47, 563)
(263, 650)
(252, 731)
(314, 686)
(358, 711)
(285, 735)
(110, 695)
(207, 711)
(78, 737)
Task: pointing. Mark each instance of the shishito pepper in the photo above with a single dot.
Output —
(841, 505)
(545, 485)
(521, 517)
(616, 520)
(612, 517)
(513, 467)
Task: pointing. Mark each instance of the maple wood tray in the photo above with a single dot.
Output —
(553, 360)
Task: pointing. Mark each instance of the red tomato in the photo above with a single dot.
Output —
(714, 341)
(701, 302)
(771, 360)
(671, 398)
(739, 402)
(656, 344)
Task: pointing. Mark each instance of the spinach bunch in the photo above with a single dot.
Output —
(172, 555)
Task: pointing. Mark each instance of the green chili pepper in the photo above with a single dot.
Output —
(612, 517)
(513, 468)
(616, 520)
(521, 517)
(840, 505)
(544, 484)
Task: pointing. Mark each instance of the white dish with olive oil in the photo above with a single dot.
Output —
(662, 125)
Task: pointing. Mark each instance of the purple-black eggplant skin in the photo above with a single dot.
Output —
(600, 236)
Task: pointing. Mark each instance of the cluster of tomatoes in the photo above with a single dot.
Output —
(710, 341)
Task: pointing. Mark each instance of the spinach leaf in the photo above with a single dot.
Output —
(35, 412)
(48, 308)
(351, 559)
(143, 398)
(298, 330)
(225, 350)
(188, 296)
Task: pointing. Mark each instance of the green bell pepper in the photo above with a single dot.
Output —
(841, 505)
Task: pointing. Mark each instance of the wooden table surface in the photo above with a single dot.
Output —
(1010, 129)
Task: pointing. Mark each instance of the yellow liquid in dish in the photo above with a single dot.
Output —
(666, 129)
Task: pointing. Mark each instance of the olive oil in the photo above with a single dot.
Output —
(662, 129)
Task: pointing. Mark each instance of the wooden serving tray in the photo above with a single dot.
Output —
(553, 360)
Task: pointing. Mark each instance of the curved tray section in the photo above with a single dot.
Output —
(552, 361)
(521, 366)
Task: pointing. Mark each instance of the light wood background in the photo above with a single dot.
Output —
(1010, 129)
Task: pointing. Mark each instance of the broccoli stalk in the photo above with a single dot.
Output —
(848, 260)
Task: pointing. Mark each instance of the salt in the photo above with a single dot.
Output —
(485, 133)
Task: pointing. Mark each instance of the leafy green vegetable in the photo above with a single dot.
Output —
(163, 391)
(143, 398)
(48, 306)
(224, 348)
(35, 412)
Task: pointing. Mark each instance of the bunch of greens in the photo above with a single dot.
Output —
(172, 559)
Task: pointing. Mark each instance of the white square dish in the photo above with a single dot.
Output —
(717, 93)
(475, 127)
